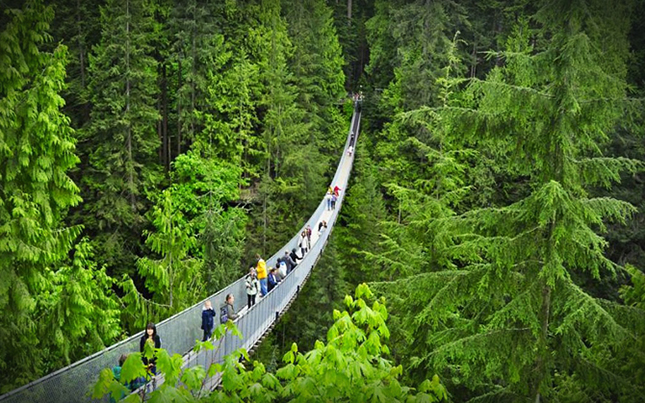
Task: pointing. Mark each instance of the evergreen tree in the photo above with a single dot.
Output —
(510, 321)
(80, 310)
(173, 279)
(362, 215)
(77, 26)
(119, 146)
(317, 66)
(36, 152)
(196, 50)
(292, 175)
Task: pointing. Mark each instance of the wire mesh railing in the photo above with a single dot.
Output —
(179, 332)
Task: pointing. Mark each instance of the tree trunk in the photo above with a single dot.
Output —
(81, 48)
(349, 12)
(179, 84)
(130, 168)
(473, 66)
(540, 367)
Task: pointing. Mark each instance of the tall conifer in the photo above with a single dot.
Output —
(120, 145)
(510, 322)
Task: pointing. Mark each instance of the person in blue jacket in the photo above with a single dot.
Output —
(273, 279)
(208, 321)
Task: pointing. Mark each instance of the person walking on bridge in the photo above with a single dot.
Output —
(230, 310)
(294, 255)
(208, 323)
(261, 270)
(308, 236)
(273, 278)
(152, 338)
(291, 264)
(303, 243)
(252, 287)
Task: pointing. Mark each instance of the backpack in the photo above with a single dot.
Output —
(223, 314)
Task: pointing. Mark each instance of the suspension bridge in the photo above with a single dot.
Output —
(74, 383)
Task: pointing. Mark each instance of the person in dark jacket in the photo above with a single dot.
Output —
(294, 255)
(230, 311)
(150, 336)
(291, 264)
(273, 279)
(208, 313)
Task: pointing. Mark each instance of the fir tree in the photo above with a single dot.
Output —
(36, 152)
(120, 145)
(173, 279)
(510, 322)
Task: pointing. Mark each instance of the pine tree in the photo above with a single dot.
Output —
(77, 26)
(362, 214)
(80, 311)
(292, 180)
(196, 50)
(317, 66)
(510, 322)
(173, 279)
(36, 152)
(120, 145)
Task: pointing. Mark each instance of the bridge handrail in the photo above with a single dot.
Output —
(179, 332)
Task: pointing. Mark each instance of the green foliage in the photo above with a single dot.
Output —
(503, 315)
(166, 277)
(202, 186)
(351, 366)
(36, 153)
(119, 145)
(80, 311)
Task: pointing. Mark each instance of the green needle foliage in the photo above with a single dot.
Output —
(120, 144)
(509, 322)
(47, 296)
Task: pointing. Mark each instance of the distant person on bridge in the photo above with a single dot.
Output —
(350, 150)
(303, 243)
(208, 313)
(152, 338)
(291, 264)
(228, 310)
(252, 287)
(337, 190)
(334, 198)
(322, 226)
(282, 268)
(294, 255)
(273, 279)
(328, 196)
(308, 236)
(261, 270)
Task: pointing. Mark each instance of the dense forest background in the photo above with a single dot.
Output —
(149, 148)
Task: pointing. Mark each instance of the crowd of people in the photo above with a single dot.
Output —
(259, 281)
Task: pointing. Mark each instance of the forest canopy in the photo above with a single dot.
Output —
(150, 148)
